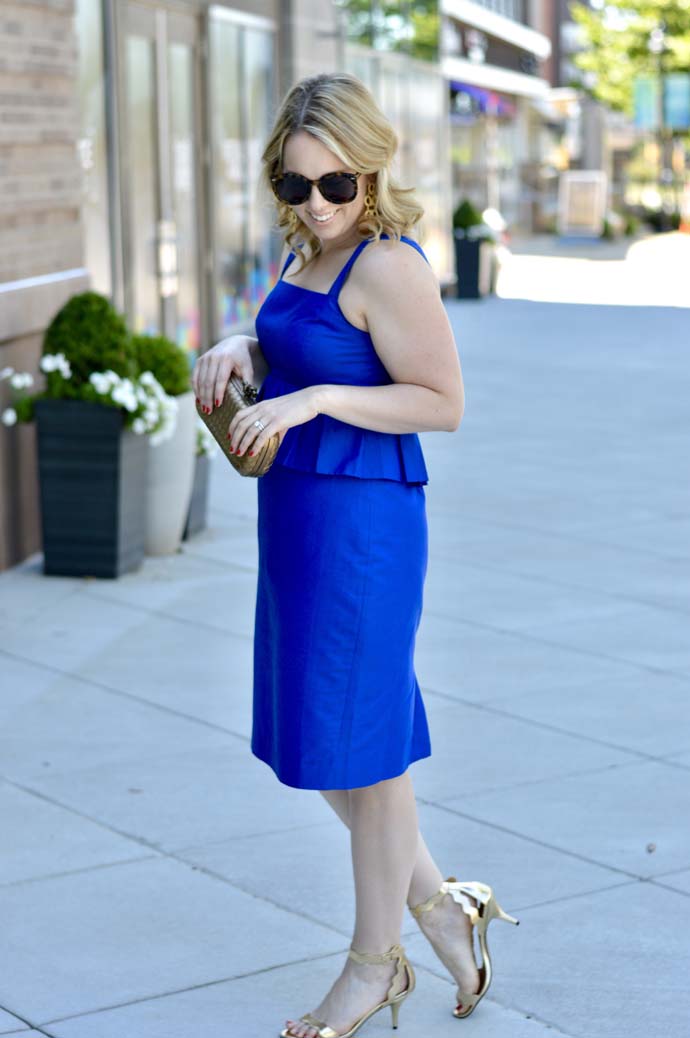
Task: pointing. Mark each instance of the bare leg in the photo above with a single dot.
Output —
(384, 828)
(426, 877)
(447, 927)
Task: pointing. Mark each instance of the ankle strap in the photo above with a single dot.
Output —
(396, 952)
(426, 906)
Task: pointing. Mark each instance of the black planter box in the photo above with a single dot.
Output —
(467, 267)
(92, 475)
(198, 505)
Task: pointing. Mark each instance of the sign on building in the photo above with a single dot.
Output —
(582, 202)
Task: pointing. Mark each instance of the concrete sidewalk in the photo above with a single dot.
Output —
(156, 881)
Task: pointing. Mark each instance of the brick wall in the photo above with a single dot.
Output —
(39, 172)
(40, 230)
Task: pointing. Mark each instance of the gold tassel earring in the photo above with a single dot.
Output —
(370, 201)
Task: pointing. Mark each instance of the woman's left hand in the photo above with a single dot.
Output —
(278, 415)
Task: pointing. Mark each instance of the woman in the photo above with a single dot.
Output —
(354, 358)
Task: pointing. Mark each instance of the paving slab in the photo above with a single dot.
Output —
(586, 564)
(649, 635)
(10, 1024)
(195, 669)
(157, 799)
(643, 710)
(511, 602)
(316, 872)
(626, 816)
(256, 1006)
(53, 724)
(678, 880)
(48, 839)
(222, 596)
(228, 540)
(474, 662)
(474, 751)
(586, 962)
(138, 930)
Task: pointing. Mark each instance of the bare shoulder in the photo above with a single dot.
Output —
(395, 263)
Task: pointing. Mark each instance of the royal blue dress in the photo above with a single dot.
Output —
(343, 546)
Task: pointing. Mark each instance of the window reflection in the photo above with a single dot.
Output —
(241, 92)
(404, 26)
(92, 147)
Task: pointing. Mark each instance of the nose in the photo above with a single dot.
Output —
(317, 203)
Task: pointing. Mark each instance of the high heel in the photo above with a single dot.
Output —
(481, 914)
(396, 952)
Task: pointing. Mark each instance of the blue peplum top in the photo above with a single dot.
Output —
(307, 340)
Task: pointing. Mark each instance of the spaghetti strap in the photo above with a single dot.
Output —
(287, 263)
(342, 276)
(340, 280)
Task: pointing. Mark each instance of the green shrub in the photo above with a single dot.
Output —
(93, 336)
(167, 361)
(607, 229)
(466, 216)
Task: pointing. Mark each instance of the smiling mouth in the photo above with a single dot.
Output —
(322, 219)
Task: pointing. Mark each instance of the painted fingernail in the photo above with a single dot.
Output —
(251, 454)
(217, 403)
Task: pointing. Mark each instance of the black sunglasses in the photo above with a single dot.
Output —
(294, 189)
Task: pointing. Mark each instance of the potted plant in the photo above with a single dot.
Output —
(172, 456)
(92, 454)
(206, 448)
(474, 252)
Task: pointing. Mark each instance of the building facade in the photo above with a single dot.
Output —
(131, 135)
(495, 56)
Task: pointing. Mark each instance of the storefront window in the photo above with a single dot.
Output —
(92, 145)
(185, 202)
(241, 68)
(141, 123)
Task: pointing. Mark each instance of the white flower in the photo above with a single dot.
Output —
(121, 395)
(100, 383)
(139, 426)
(5, 373)
(21, 379)
(9, 416)
(55, 361)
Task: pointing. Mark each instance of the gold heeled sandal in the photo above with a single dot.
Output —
(394, 1001)
(481, 914)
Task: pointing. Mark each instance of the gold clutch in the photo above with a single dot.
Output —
(238, 395)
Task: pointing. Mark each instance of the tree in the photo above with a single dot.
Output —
(616, 37)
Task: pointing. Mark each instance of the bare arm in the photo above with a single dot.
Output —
(413, 337)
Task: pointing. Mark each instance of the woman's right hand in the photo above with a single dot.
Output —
(213, 369)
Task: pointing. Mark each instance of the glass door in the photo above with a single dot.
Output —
(161, 173)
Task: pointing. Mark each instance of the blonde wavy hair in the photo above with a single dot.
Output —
(339, 110)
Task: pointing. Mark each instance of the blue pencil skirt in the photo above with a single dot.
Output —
(342, 563)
